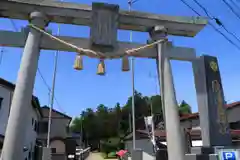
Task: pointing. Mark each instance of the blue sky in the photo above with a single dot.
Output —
(78, 90)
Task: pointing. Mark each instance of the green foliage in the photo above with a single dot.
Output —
(110, 145)
(106, 122)
(184, 108)
(104, 155)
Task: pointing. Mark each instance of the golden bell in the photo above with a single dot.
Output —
(101, 68)
(78, 64)
(125, 64)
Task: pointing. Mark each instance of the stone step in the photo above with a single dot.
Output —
(201, 157)
(202, 150)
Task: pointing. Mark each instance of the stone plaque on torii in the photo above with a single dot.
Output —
(104, 20)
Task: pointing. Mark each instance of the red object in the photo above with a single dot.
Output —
(121, 153)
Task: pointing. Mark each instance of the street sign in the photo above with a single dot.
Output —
(228, 154)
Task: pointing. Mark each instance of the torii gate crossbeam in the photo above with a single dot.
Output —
(79, 14)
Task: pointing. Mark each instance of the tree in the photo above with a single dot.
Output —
(184, 108)
(106, 123)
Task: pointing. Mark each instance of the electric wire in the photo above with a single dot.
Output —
(235, 4)
(217, 20)
(216, 29)
(232, 9)
(14, 25)
(39, 72)
(1, 55)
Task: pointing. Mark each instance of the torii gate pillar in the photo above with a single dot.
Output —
(21, 102)
(175, 145)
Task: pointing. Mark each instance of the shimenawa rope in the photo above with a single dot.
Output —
(92, 53)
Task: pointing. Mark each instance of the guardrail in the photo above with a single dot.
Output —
(83, 154)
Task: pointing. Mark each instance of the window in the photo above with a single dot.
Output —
(1, 99)
(235, 125)
(54, 150)
(43, 127)
(35, 126)
(67, 129)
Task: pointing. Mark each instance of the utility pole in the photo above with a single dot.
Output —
(153, 126)
(52, 93)
(81, 140)
(130, 122)
(130, 2)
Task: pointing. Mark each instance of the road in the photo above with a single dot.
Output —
(96, 156)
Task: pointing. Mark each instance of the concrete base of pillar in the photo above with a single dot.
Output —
(201, 157)
(137, 154)
(46, 154)
(202, 150)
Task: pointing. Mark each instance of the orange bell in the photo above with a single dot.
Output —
(101, 68)
(78, 64)
(125, 64)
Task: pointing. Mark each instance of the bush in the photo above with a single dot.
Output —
(109, 145)
(104, 155)
(112, 155)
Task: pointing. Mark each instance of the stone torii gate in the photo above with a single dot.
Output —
(104, 20)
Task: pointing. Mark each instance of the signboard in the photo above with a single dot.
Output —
(228, 154)
(104, 25)
(213, 118)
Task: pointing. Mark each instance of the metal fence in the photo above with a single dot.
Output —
(82, 155)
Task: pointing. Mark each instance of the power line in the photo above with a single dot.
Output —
(155, 81)
(235, 4)
(1, 55)
(204, 9)
(49, 89)
(40, 73)
(231, 8)
(217, 30)
(217, 21)
(14, 25)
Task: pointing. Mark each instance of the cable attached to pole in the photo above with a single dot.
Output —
(1, 55)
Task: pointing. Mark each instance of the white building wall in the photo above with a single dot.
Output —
(196, 143)
(147, 147)
(31, 135)
(144, 144)
(59, 146)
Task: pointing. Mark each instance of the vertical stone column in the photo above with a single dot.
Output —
(174, 137)
(137, 154)
(211, 105)
(21, 102)
(175, 145)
